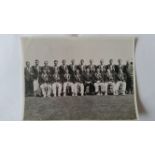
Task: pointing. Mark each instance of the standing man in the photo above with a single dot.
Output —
(78, 86)
(46, 67)
(55, 67)
(119, 67)
(28, 79)
(57, 84)
(91, 66)
(36, 71)
(63, 67)
(72, 67)
(82, 67)
(128, 70)
(45, 84)
(102, 67)
(68, 83)
(111, 66)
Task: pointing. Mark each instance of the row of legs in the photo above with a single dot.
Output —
(108, 88)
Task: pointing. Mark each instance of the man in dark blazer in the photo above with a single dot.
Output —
(102, 67)
(36, 71)
(28, 79)
(119, 67)
(55, 67)
(72, 67)
(128, 70)
(91, 66)
(111, 66)
(46, 67)
(81, 67)
(63, 67)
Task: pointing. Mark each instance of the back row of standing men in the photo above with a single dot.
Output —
(78, 79)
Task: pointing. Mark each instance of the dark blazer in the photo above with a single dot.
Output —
(117, 67)
(63, 69)
(47, 68)
(36, 72)
(88, 77)
(102, 68)
(82, 69)
(45, 78)
(92, 68)
(72, 69)
(128, 70)
(112, 68)
(53, 68)
(28, 74)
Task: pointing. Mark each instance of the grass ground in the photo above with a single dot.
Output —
(80, 108)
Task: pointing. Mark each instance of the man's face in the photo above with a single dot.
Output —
(28, 64)
(46, 63)
(55, 63)
(111, 61)
(37, 62)
(82, 62)
(73, 62)
(64, 62)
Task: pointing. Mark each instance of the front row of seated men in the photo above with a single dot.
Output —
(76, 80)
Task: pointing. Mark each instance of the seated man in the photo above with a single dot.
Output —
(120, 83)
(57, 85)
(45, 84)
(99, 83)
(78, 83)
(88, 82)
(68, 83)
(110, 81)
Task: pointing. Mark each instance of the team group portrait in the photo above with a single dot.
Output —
(79, 78)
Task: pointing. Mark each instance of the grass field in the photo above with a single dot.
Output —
(80, 108)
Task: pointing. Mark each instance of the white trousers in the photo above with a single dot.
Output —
(102, 85)
(120, 87)
(68, 84)
(46, 89)
(78, 87)
(57, 86)
(35, 85)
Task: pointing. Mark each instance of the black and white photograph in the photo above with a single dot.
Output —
(79, 77)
